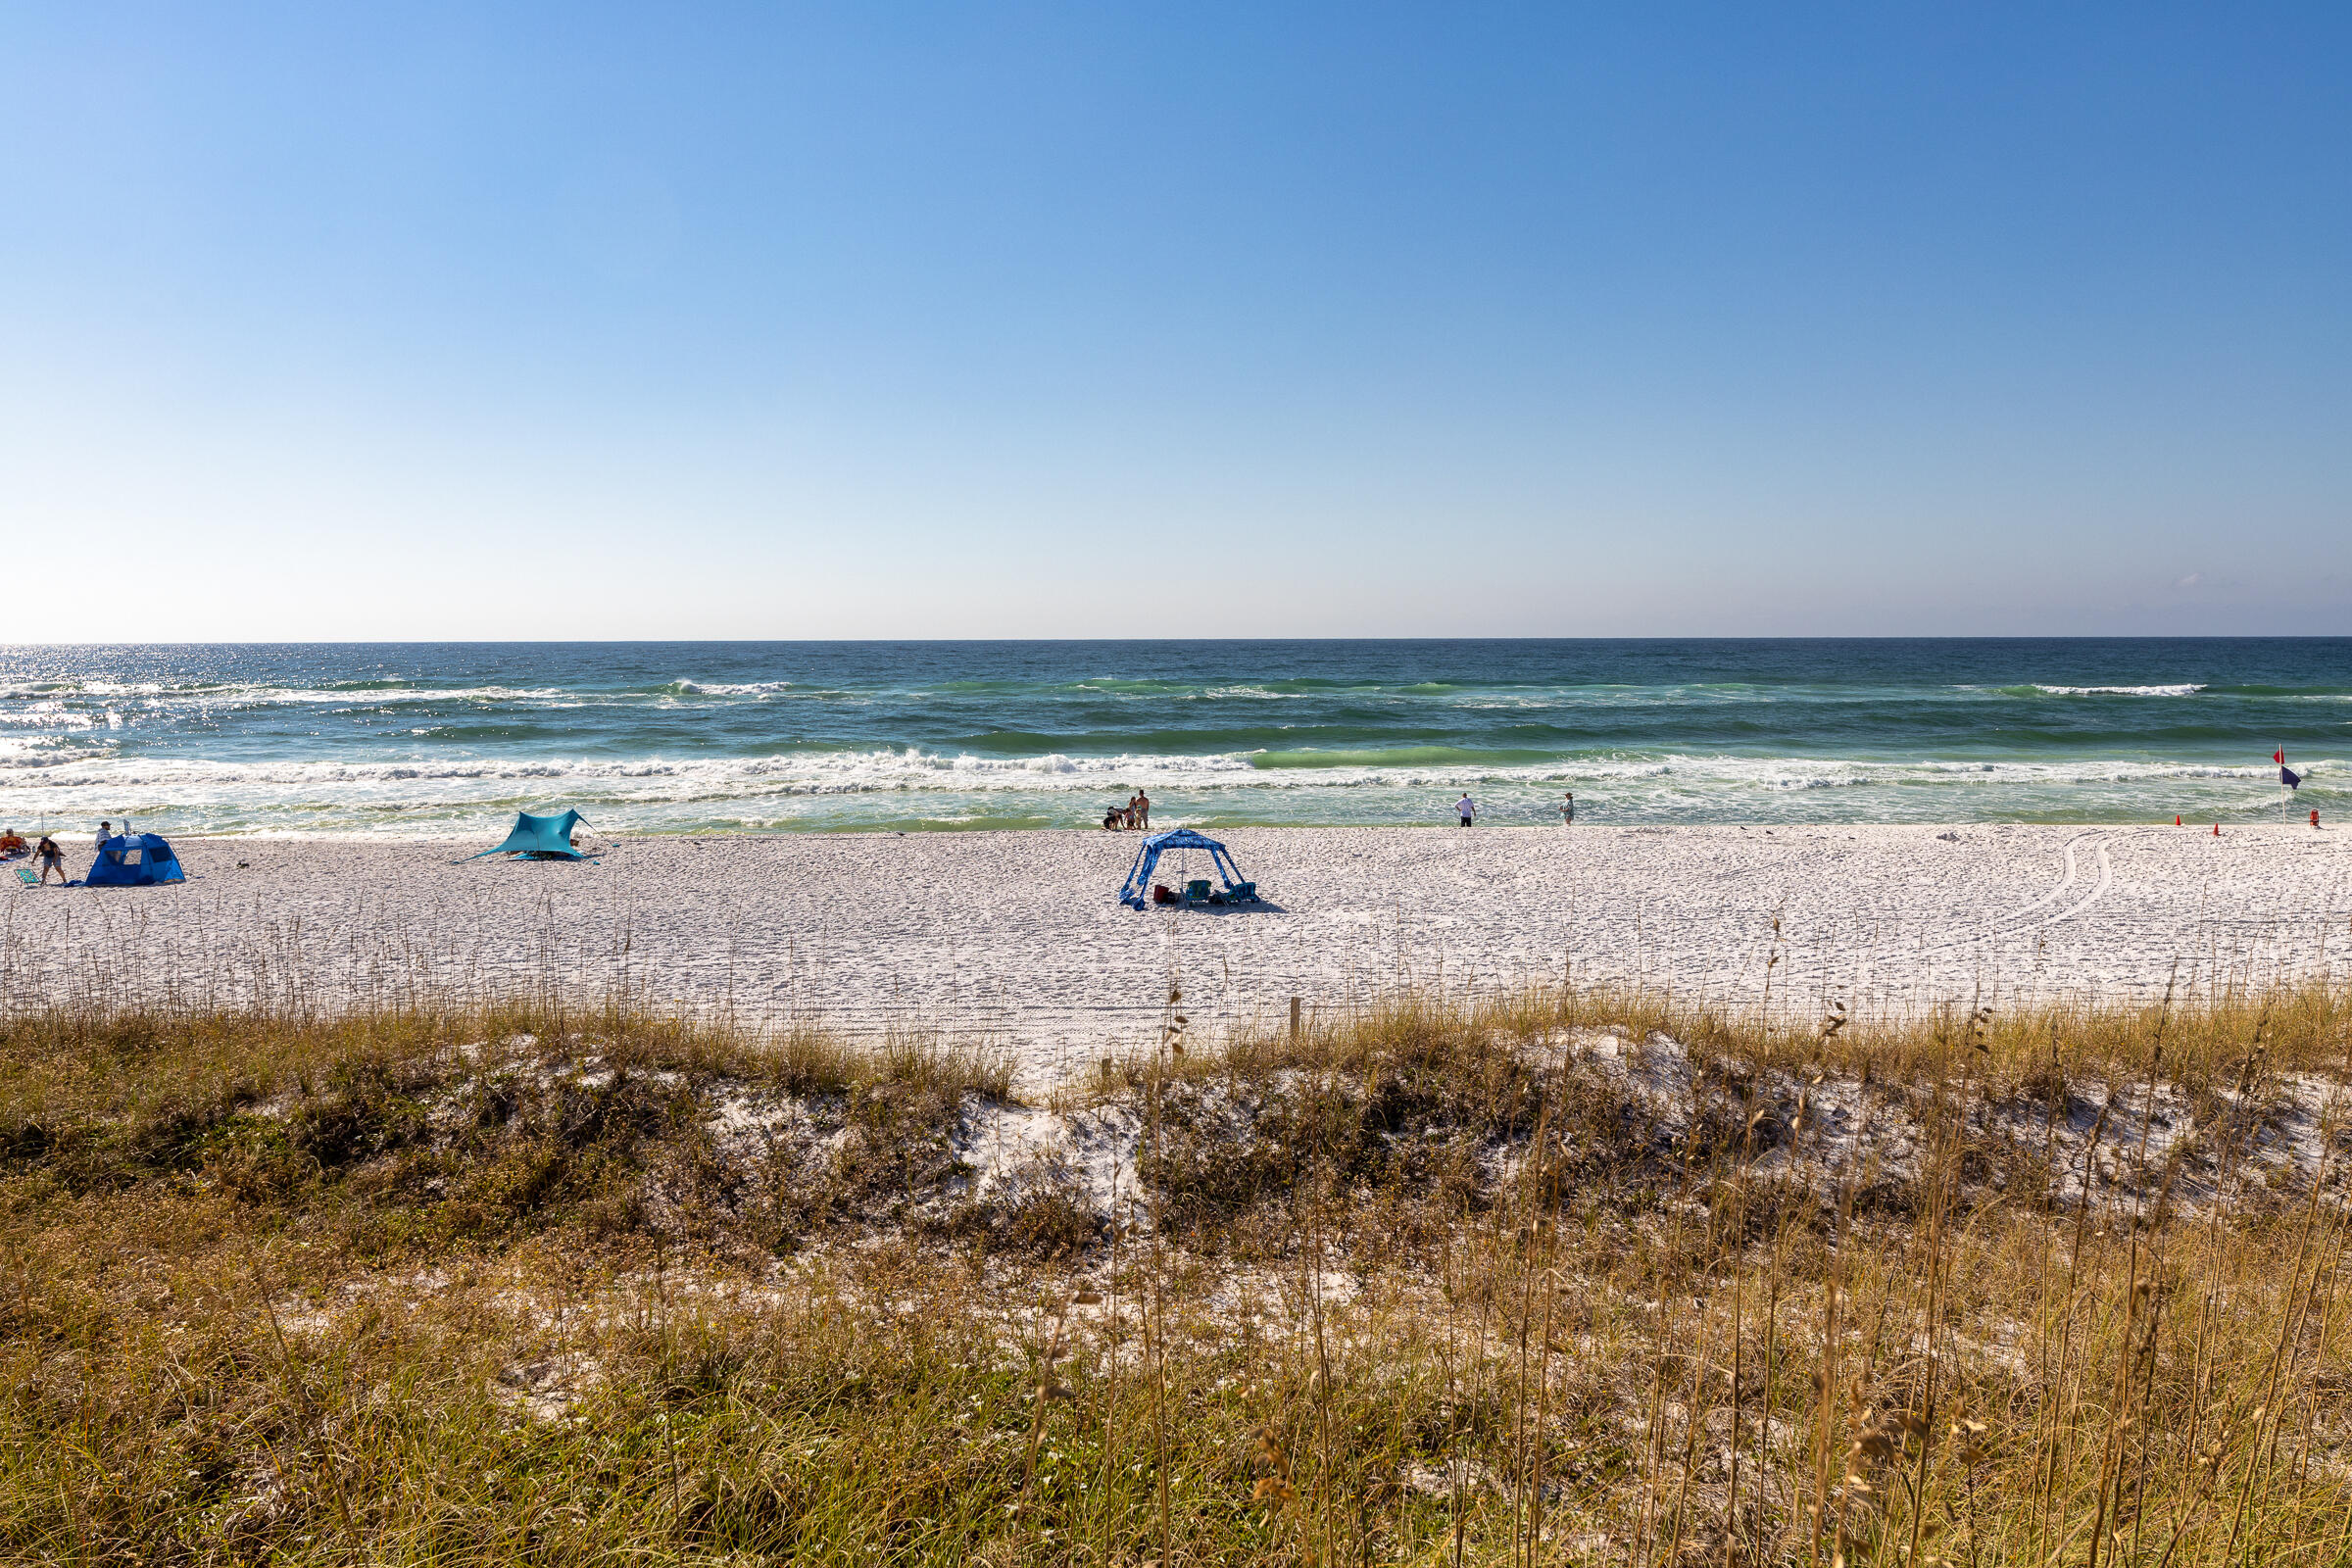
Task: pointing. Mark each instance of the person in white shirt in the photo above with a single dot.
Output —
(1465, 810)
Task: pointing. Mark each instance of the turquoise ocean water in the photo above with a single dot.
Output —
(695, 737)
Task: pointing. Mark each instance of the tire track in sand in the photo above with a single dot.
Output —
(2023, 918)
(2019, 917)
(2106, 881)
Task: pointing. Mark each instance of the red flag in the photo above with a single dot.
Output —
(2280, 756)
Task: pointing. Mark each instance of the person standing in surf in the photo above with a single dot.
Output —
(1464, 808)
(1568, 809)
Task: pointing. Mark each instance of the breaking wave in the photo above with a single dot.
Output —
(915, 768)
(2186, 689)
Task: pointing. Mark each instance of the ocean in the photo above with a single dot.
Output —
(435, 739)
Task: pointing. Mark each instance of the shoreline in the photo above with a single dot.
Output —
(1012, 936)
(441, 838)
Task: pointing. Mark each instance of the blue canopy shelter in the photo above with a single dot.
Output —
(538, 836)
(1137, 894)
(133, 861)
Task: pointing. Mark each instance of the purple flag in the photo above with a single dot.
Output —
(2290, 778)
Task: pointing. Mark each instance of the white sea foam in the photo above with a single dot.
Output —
(156, 694)
(880, 769)
(45, 714)
(2183, 690)
(907, 768)
(747, 688)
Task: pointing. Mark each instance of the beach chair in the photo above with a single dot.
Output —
(1195, 892)
(25, 876)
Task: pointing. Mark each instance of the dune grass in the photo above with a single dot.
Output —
(1558, 1276)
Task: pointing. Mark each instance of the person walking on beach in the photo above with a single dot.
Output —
(1464, 808)
(1568, 809)
(49, 858)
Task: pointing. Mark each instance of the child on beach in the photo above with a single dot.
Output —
(1568, 809)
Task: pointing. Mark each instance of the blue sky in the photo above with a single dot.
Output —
(974, 320)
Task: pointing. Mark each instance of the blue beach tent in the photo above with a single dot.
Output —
(133, 861)
(1137, 894)
(539, 836)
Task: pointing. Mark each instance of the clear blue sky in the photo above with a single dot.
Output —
(963, 319)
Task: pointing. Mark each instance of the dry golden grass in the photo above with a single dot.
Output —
(1426, 1283)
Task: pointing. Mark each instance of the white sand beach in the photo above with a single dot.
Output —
(1015, 937)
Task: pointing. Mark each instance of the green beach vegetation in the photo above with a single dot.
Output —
(1560, 1276)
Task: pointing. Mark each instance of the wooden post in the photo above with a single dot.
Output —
(1293, 1017)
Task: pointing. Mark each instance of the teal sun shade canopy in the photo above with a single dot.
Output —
(539, 835)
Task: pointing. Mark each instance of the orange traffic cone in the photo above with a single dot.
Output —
(2176, 820)
(2217, 830)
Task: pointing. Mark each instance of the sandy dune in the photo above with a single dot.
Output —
(1015, 935)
